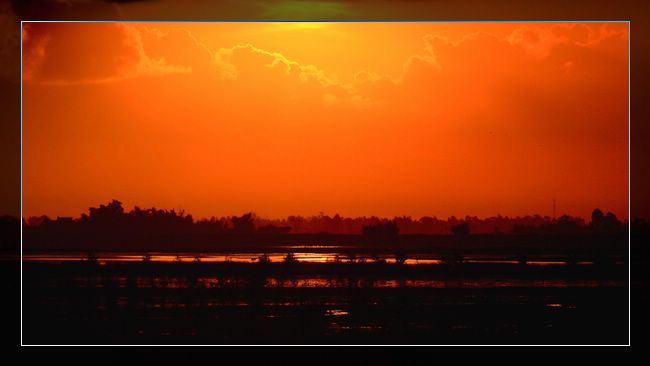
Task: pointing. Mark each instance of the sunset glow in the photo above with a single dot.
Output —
(382, 119)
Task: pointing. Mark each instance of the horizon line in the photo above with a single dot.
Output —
(180, 210)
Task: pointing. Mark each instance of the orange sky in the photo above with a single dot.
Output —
(378, 119)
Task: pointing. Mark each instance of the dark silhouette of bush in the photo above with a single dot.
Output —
(264, 259)
(290, 258)
(461, 229)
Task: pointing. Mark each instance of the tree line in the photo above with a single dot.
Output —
(113, 217)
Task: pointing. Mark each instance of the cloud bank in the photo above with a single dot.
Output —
(487, 124)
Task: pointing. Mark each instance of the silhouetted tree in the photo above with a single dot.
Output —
(604, 224)
(105, 214)
(597, 217)
(244, 224)
(110, 226)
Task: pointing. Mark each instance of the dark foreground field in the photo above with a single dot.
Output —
(329, 303)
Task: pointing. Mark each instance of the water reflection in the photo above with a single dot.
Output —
(278, 257)
(335, 312)
(216, 282)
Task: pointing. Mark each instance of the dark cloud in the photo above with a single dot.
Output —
(102, 52)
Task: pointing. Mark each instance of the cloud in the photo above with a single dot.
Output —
(494, 65)
(72, 53)
(255, 68)
(249, 56)
(480, 69)
(541, 41)
(478, 64)
(245, 68)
